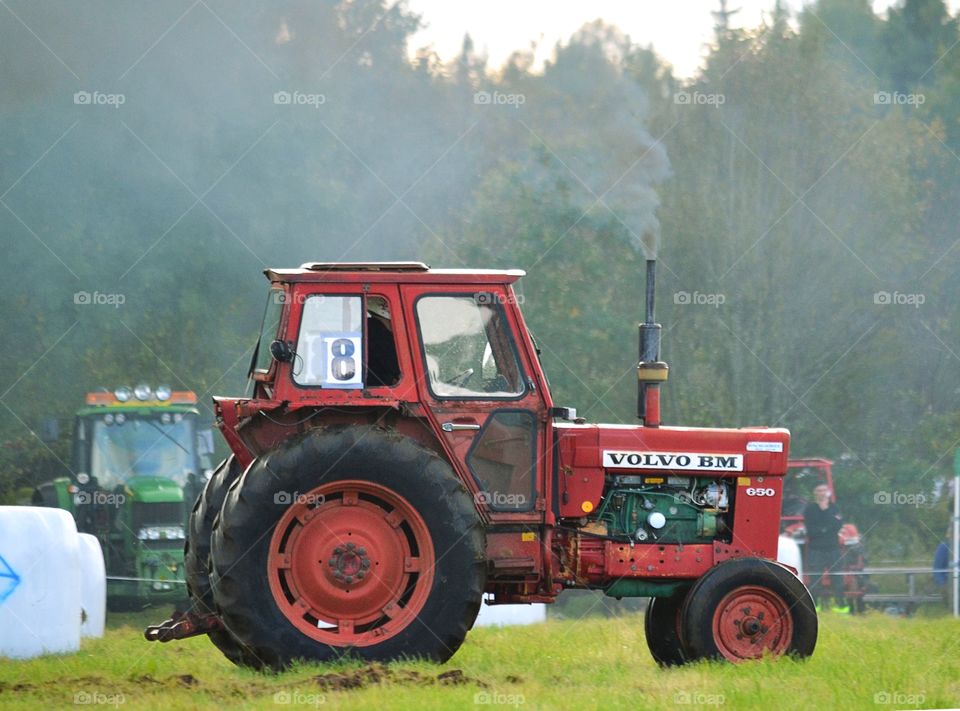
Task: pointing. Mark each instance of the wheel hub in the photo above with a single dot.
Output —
(349, 564)
(751, 621)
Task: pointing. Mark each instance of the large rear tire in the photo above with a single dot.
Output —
(196, 555)
(348, 542)
(748, 608)
(662, 629)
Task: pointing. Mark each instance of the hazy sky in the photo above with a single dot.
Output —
(678, 29)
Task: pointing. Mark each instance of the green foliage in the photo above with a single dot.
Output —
(787, 199)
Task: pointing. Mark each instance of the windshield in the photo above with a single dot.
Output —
(467, 347)
(127, 446)
(798, 489)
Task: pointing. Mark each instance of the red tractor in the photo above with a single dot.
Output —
(400, 455)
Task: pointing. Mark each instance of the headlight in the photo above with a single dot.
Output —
(161, 533)
(119, 418)
(142, 392)
(108, 418)
(163, 392)
(122, 394)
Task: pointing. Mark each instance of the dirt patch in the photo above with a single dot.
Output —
(186, 680)
(374, 674)
(15, 688)
(58, 684)
(145, 679)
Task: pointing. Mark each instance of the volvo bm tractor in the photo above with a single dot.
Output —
(138, 463)
(400, 455)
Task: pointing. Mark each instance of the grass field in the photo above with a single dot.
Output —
(872, 662)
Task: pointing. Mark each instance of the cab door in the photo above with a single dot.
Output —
(478, 383)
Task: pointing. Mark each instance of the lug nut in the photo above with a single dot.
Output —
(348, 579)
(361, 551)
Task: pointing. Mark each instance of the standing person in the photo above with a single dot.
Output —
(822, 520)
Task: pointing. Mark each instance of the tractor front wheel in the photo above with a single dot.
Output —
(350, 541)
(748, 608)
(662, 629)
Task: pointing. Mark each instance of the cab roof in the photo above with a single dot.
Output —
(406, 272)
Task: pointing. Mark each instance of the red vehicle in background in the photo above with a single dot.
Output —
(802, 476)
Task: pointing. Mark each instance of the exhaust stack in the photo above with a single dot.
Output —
(651, 371)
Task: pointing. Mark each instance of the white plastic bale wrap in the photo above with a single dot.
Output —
(39, 582)
(93, 586)
(788, 553)
(507, 615)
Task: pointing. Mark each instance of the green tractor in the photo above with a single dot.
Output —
(139, 461)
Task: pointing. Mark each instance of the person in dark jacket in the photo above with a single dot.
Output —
(941, 560)
(822, 519)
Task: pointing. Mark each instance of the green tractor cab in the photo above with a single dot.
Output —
(139, 461)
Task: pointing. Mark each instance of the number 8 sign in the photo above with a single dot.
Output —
(342, 360)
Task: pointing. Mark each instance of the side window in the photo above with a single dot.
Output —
(268, 329)
(467, 348)
(502, 460)
(329, 350)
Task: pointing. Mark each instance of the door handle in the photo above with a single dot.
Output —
(458, 427)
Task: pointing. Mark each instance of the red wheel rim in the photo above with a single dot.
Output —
(751, 621)
(350, 563)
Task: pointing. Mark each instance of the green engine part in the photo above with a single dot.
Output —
(632, 511)
(631, 587)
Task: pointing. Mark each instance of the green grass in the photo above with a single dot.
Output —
(873, 662)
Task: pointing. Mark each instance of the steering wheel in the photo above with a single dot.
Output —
(461, 379)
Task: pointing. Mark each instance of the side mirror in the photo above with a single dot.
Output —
(281, 351)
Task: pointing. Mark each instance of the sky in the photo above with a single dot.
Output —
(677, 29)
